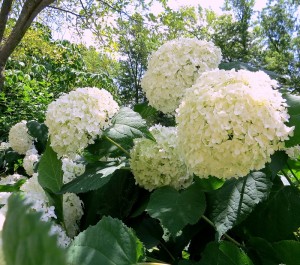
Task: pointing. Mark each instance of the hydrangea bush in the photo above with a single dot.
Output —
(101, 186)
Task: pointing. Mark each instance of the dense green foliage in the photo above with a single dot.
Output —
(40, 70)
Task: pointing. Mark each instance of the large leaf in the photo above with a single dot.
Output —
(115, 199)
(147, 112)
(177, 209)
(96, 175)
(50, 177)
(224, 253)
(26, 239)
(126, 126)
(282, 252)
(278, 162)
(236, 199)
(148, 231)
(278, 216)
(109, 242)
(50, 171)
(288, 251)
(294, 112)
(40, 132)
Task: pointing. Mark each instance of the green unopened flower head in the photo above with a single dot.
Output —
(157, 164)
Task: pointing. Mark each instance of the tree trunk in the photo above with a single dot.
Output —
(30, 10)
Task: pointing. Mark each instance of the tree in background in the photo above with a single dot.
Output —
(29, 11)
(279, 28)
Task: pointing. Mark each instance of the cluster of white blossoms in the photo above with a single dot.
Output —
(72, 209)
(36, 196)
(71, 169)
(19, 139)
(293, 152)
(174, 67)
(157, 164)
(230, 123)
(4, 146)
(75, 119)
(29, 161)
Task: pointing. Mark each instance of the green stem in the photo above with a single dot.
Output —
(290, 169)
(288, 178)
(116, 144)
(225, 235)
(165, 248)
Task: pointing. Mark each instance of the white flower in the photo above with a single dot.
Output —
(230, 123)
(11, 179)
(19, 139)
(71, 169)
(157, 164)
(29, 160)
(293, 152)
(76, 119)
(72, 209)
(4, 146)
(174, 67)
(36, 196)
(62, 239)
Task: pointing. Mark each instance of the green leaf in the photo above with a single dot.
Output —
(96, 175)
(294, 112)
(288, 251)
(12, 187)
(40, 132)
(224, 253)
(109, 242)
(50, 177)
(282, 252)
(278, 216)
(26, 239)
(278, 162)
(210, 183)
(148, 231)
(236, 199)
(50, 171)
(126, 126)
(147, 112)
(176, 209)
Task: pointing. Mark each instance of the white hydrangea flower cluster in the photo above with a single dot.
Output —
(71, 169)
(29, 161)
(77, 118)
(174, 67)
(35, 195)
(62, 239)
(293, 152)
(37, 198)
(157, 164)
(230, 123)
(19, 139)
(72, 209)
(4, 146)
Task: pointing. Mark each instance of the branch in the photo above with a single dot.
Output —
(5, 9)
(116, 9)
(66, 11)
(30, 10)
